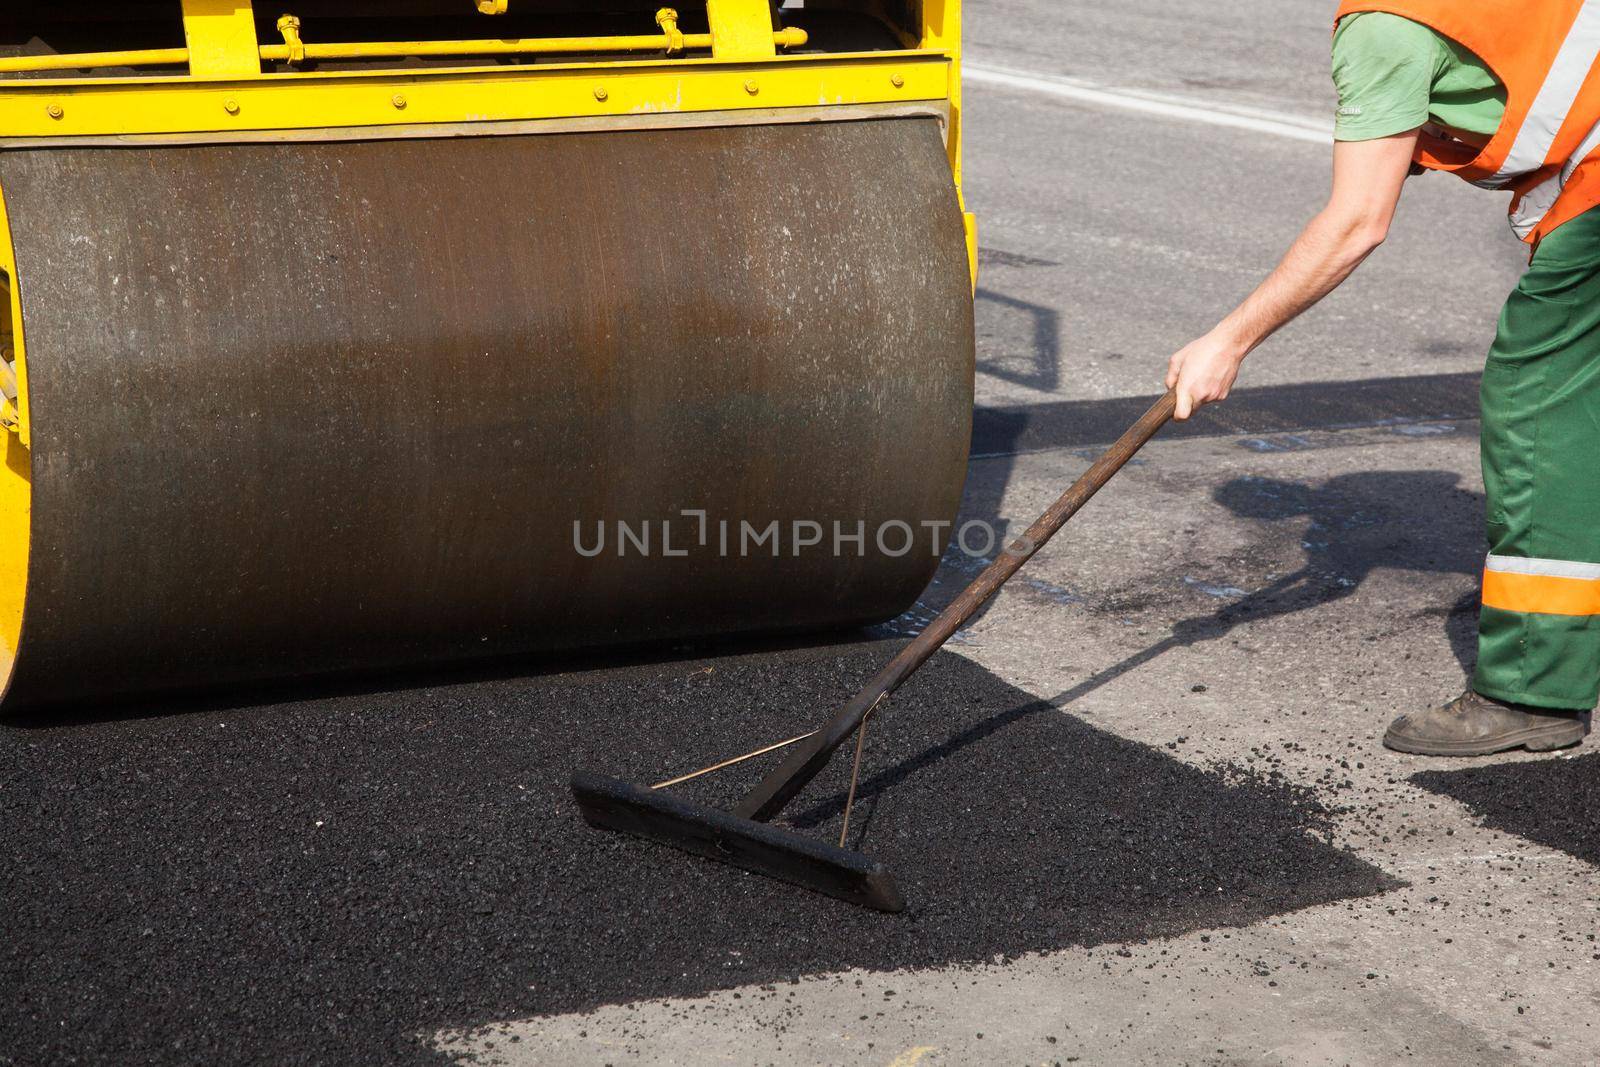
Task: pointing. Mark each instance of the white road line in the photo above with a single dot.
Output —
(1257, 120)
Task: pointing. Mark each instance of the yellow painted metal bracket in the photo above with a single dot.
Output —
(289, 28)
(740, 29)
(221, 35)
(667, 19)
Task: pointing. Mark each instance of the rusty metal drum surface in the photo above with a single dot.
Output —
(304, 408)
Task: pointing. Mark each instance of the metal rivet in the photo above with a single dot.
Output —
(897, 80)
(600, 92)
(398, 100)
(751, 87)
(231, 106)
(54, 111)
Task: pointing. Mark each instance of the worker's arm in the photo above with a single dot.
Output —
(1367, 179)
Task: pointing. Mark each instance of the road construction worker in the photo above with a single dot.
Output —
(1506, 94)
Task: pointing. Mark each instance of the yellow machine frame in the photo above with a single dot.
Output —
(225, 91)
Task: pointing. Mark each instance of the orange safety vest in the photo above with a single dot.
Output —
(1547, 149)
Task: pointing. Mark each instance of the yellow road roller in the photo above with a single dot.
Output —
(348, 336)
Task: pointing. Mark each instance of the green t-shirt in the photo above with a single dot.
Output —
(1393, 75)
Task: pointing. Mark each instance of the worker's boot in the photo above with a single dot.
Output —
(1475, 725)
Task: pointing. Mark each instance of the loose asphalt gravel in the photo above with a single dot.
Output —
(328, 880)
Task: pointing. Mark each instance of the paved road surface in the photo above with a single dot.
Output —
(1225, 631)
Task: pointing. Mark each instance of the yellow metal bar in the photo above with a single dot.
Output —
(294, 51)
(147, 57)
(16, 472)
(740, 29)
(649, 42)
(116, 106)
(524, 46)
(222, 38)
(941, 31)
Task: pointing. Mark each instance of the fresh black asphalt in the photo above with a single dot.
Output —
(330, 880)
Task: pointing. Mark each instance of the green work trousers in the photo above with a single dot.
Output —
(1539, 627)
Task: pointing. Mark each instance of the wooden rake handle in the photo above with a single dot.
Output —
(785, 780)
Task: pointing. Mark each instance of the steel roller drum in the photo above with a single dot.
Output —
(323, 407)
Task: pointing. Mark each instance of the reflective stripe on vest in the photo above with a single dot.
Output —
(1534, 204)
(1537, 135)
(1541, 586)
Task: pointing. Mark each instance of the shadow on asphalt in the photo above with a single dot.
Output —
(1039, 367)
(240, 697)
(1389, 532)
(1418, 521)
(320, 881)
(1360, 523)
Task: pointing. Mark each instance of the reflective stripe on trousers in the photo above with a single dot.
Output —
(1541, 586)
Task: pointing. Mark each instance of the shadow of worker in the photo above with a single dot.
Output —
(1417, 521)
(1348, 527)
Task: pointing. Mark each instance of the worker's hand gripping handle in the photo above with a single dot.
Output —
(776, 790)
